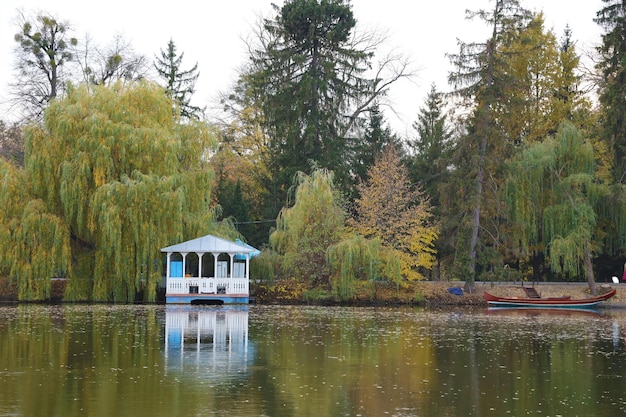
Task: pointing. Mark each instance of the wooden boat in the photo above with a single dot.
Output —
(552, 302)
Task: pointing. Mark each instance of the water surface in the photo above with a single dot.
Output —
(309, 361)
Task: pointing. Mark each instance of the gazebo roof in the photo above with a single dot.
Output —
(209, 244)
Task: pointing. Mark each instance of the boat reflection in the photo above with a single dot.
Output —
(542, 311)
(210, 340)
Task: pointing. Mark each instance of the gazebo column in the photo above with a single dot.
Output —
(247, 273)
(167, 266)
(215, 256)
(200, 264)
(184, 255)
(232, 260)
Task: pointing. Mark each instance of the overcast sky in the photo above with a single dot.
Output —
(212, 34)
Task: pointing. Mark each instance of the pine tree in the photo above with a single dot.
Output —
(179, 84)
(429, 165)
(568, 93)
(308, 74)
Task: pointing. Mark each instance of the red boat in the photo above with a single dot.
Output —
(552, 302)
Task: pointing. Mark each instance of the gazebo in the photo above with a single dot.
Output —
(208, 270)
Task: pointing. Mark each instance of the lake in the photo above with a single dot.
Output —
(108, 360)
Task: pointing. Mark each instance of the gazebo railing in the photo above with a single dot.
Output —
(203, 285)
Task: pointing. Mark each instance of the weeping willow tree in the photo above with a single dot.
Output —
(351, 259)
(306, 230)
(553, 196)
(48, 244)
(109, 179)
(358, 258)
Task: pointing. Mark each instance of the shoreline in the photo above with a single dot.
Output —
(421, 293)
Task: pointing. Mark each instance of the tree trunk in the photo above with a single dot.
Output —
(589, 271)
(537, 262)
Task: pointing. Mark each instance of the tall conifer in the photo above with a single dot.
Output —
(612, 18)
(481, 77)
(179, 83)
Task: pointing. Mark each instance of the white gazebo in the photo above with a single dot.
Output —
(208, 270)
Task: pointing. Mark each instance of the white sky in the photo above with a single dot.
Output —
(212, 32)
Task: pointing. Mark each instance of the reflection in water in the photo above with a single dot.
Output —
(208, 341)
(158, 361)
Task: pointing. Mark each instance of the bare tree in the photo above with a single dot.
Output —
(44, 49)
(115, 61)
(11, 142)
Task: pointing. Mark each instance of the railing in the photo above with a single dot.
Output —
(207, 286)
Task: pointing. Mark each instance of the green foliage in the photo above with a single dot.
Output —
(429, 163)
(262, 267)
(317, 295)
(234, 206)
(352, 259)
(109, 180)
(305, 231)
(553, 194)
(391, 266)
(431, 150)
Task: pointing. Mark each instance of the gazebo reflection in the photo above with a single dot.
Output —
(209, 340)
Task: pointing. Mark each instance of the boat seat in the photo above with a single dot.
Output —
(531, 292)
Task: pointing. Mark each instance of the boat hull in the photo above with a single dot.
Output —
(495, 301)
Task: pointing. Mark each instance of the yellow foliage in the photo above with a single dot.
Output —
(400, 216)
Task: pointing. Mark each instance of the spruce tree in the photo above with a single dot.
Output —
(375, 138)
(432, 146)
(179, 83)
(307, 76)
